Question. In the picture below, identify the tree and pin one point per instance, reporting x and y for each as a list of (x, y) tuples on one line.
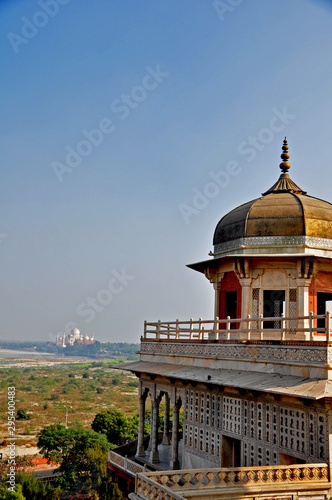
[(54, 441), (27, 487), (6, 494), (71, 448), (132, 428), (34, 489), (102, 483), (114, 424)]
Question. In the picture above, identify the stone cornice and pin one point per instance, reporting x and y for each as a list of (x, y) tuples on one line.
[(297, 242), (288, 354)]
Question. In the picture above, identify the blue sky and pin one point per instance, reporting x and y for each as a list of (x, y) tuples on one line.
[(151, 101)]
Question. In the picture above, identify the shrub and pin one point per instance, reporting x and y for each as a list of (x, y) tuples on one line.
[(73, 381), (133, 383), (22, 415), (116, 380)]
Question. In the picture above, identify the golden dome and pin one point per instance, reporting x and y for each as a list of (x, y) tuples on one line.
[(277, 214), (284, 216)]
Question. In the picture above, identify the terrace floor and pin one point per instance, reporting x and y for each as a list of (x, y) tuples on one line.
[(165, 455)]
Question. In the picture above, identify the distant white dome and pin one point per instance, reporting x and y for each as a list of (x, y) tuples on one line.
[(86, 337), (75, 332)]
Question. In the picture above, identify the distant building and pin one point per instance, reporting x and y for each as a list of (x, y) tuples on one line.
[(74, 336)]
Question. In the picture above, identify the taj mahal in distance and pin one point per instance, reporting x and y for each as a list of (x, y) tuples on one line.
[(74, 336)]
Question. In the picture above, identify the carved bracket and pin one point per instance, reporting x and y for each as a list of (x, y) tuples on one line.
[(214, 276), (241, 267), (306, 267)]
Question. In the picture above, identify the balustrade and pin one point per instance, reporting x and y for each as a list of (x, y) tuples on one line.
[(169, 485), (250, 328), (124, 463)]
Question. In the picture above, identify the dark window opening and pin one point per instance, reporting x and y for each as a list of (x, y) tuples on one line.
[(231, 306), (289, 460), (230, 452), (274, 306), (323, 306)]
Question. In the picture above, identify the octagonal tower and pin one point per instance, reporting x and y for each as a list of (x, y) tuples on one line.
[(273, 255)]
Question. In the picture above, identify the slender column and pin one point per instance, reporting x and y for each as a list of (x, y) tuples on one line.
[(175, 464), (151, 427), (217, 287), (140, 439), (245, 300), (154, 454), (166, 421), (329, 451), (303, 305)]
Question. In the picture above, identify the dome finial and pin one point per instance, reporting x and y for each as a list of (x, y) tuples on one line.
[(285, 165)]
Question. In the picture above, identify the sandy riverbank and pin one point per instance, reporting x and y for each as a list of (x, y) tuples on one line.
[(30, 362)]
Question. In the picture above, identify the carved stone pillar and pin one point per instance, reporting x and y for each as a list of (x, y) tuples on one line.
[(151, 427), (215, 278), (245, 300), (154, 454), (217, 287), (175, 464), (303, 305), (245, 297), (140, 439), (329, 451), (166, 439)]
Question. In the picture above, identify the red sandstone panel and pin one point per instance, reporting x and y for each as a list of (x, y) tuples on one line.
[(323, 282), (230, 284)]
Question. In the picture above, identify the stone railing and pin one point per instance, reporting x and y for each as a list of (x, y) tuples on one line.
[(163, 485), (147, 488), (124, 463), (302, 328)]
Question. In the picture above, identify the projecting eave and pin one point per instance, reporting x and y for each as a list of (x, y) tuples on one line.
[(289, 385), (214, 263), (206, 264)]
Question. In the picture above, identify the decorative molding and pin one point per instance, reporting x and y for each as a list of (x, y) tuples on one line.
[(272, 241), (307, 354)]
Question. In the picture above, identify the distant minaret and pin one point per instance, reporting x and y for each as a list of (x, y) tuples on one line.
[(64, 340)]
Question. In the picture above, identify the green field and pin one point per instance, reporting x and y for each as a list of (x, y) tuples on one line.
[(42, 392)]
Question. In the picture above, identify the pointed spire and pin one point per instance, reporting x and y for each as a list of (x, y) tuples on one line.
[(285, 184), (285, 165)]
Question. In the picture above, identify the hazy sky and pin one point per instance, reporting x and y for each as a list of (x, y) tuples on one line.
[(128, 130)]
